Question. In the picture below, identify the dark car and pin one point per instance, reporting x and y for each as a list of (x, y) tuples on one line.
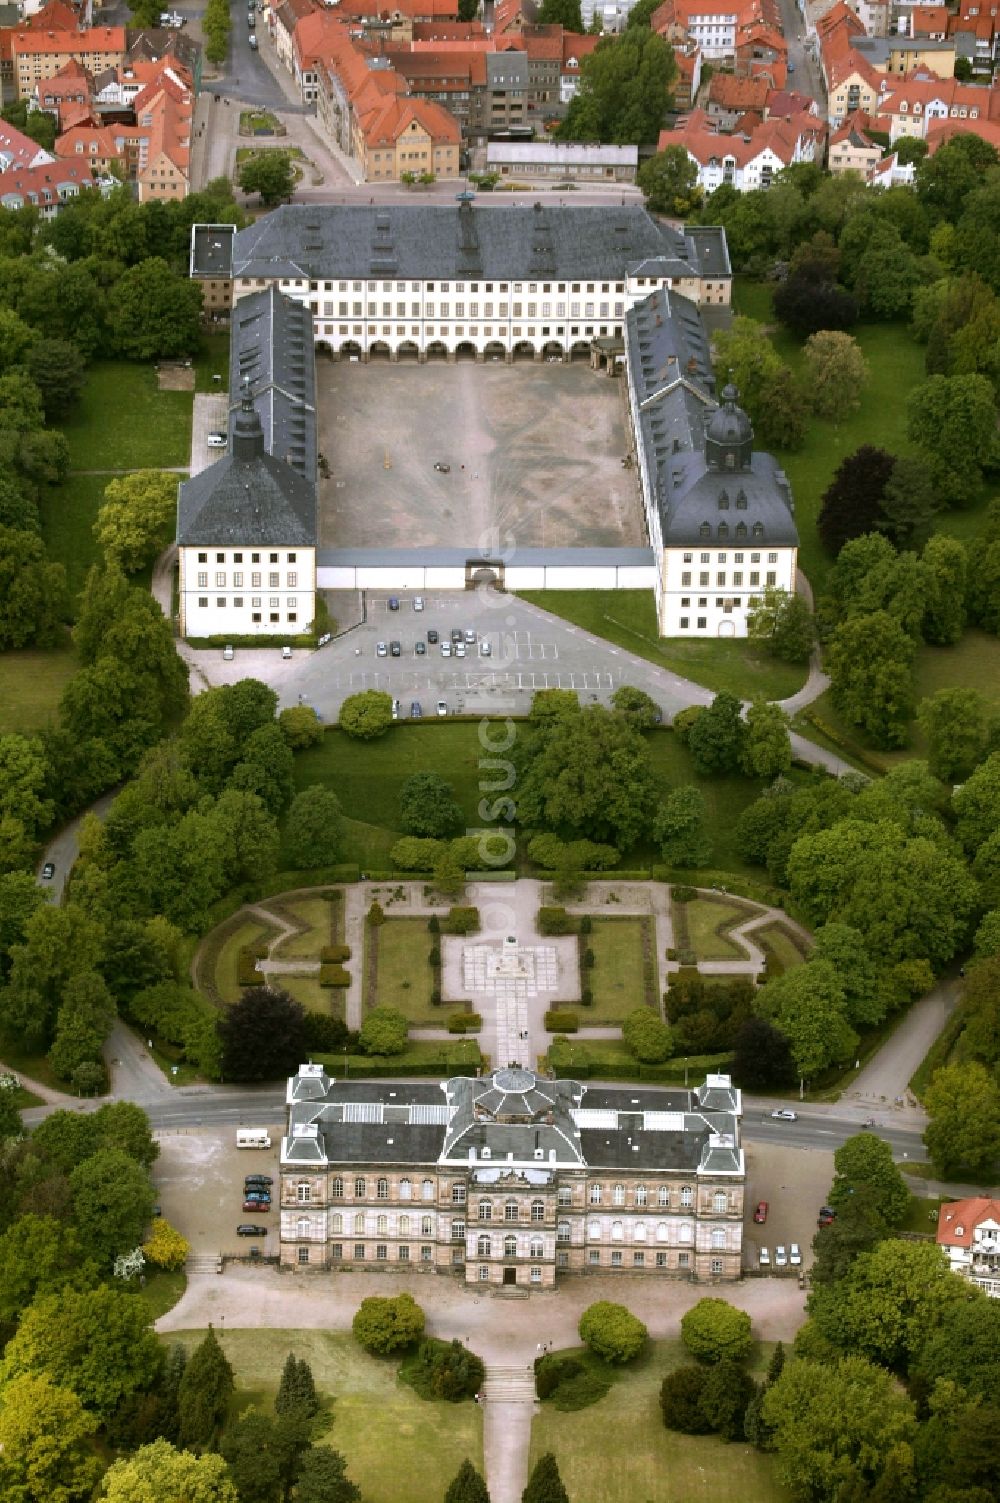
[(48, 871), (416, 710), (442, 469), (259, 1207), (393, 603), (394, 649), (456, 634), (432, 636), (251, 1229), (420, 649), (826, 1215), (259, 1197), (257, 1179)]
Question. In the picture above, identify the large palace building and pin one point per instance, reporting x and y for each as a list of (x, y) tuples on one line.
[(512, 1179)]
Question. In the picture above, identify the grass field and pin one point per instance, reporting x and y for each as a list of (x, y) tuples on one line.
[(776, 940), (68, 514), (616, 979), (212, 360), (315, 913), (618, 1448), (31, 685), (404, 976), (628, 618), (704, 922), (162, 1290), (124, 422), (395, 1444), (327, 1000)]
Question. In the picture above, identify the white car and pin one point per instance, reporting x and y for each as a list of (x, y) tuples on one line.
[(446, 649), (395, 709), (780, 1257), (418, 602), (442, 707), (485, 649), (794, 1255), (765, 1258), (381, 650), (218, 440), (784, 1115), (460, 649)]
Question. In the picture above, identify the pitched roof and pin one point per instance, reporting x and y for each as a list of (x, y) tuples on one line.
[(925, 19), (732, 93), (18, 150), (46, 184), (854, 131), (958, 1219), (55, 16), (395, 116), (941, 131), (271, 352), (85, 142), (778, 134), (247, 497), (94, 39)]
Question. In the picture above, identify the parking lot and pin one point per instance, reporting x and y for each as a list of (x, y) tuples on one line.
[(199, 1184), (795, 1183), (533, 454)]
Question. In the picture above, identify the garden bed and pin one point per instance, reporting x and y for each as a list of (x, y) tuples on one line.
[(702, 926), (619, 978)]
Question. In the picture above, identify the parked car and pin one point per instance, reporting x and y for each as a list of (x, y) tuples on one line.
[(780, 1257), (784, 1115), (286, 653), (442, 707), (262, 1197), (765, 1258), (456, 634), (253, 44), (446, 649), (258, 1206), (394, 602), (485, 649), (395, 709), (228, 654), (395, 649), (251, 1229), (421, 649), (760, 1214), (442, 469), (263, 1180), (826, 1215), (416, 710), (381, 650), (432, 635), (48, 871), (470, 635), (217, 440), (794, 1255), (460, 649), (418, 602)]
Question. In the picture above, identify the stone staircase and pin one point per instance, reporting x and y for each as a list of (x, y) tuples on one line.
[(509, 1384), (203, 1263)]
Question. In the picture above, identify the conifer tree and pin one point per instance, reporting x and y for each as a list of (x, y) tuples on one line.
[(467, 1486), (204, 1393), (545, 1484)]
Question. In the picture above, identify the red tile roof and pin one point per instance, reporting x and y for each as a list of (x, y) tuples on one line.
[(41, 184), (732, 93), (958, 1220), (95, 39)]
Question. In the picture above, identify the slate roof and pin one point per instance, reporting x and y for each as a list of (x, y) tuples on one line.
[(271, 347), (247, 498), (416, 241), (674, 402)]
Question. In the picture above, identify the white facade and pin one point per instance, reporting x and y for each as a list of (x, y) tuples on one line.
[(427, 577), (715, 33), (707, 592), (246, 592)]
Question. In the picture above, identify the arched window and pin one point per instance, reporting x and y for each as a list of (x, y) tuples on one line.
[(405, 1190), (663, 1195), (337, 1188), (510, 1247), (485, 1211), (337, 1224), (381, 1225), (510, 1210), (639, 1235), (758, 529), (594, 1231), (426, 1226), (718, 1239), (661, 1231), (640, 1195), (359, 1225), (705, 530), (382, 1189), (686, 1232), (723, 529), (687, 1195), (404, 1226), (483, 1247), (303, 1193), (562, 1231), (617, 1231), (720, 1201), (618, 1195), (303, 1227), (537, 1247), (427, 1189), (538, 1210), (359, 1189), (741, 499), (741, 531), (595, 1195), (723, 500)]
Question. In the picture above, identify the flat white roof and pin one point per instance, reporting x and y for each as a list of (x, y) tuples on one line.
[(569, 153)]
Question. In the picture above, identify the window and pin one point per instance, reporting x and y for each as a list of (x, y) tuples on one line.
[(458, 1193), (661, 1260), (718, 1238), (381, 1252), (716, 1265), (337, 1188), (663, 1195), (562, 1231), (203, 581), (683, 1260), (303, 1193), (616, 1258), (359, 1225), (427, 1189), (510, 1246), (203, 602), (617, 1231), (381, 1226), (638, 1260), (565, 1195), (687, 1196), (536, 1275), (336, 1223), (293, 580), (594, 1255), (595, 1195), (359, 1251), (618, 1195), (203, 558), (485, 1210), (639, 1234), (337, 1251), (482, 1247), (273, 580), (427, 1229), (720, 1201), (701, 623), (303, 1255), (562, 1260), (359, 1189), (661, 1231), (405, 1190), (404, 1254), (484, 1273), (537, 1249), (684, 623), (426, 1254), (538, 1210), (594, 1230), (382, 1189), (686, 1233)]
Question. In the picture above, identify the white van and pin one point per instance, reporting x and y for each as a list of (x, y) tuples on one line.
[(252, 1137)]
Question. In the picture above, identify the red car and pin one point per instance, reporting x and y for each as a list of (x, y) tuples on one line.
[(257, 1206), (760, 1214)]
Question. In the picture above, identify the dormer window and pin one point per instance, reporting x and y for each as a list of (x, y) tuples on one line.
[(758, 529), (741, 530), (723, 529), (705, 530), (723, 500), (741, 500)]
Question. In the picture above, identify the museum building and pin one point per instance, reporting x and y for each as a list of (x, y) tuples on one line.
[(512, 1179)]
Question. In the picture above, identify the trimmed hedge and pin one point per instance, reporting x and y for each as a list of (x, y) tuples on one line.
[(334, 975), (332, 953), (560, 1021), (556, 921), (247, 973), (465, 1022), (452, 1059), (460, 921), (585, 1061)]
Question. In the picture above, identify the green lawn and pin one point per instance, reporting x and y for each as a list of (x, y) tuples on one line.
[(628, 618), (31, 685), (124, 422), (725, 799), (68, 514), (316, 914), (212, 360), (404, 979), (616, 979), (328, 1000), (162, 1290), (421, 1057), (618, 1448), (775, 939), (922, 1213), (34, 1066), (700, 926), (247, 933), (396, 1445)]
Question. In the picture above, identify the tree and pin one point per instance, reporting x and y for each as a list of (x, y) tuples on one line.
[(154, 313), (865, 1163), (263, 1035), (680, 1400), (625, 90), (646, 1036), (837, 372), (545, 1484), (909, 503), (637, 706), (834, 1424), (870, 662), (165, 1247), (297, 1389), (976, 804), (587, 774), (323, 1474), (963, 1349), (806, 306), (955, 726), (384, 1031), (963, 1103), (564, 13), (137, 519), (746, 356), (266, 768), (887, 273), (314, 829), (467, 1486), (670, 182), (367, 715), (783, 624), (204, 1393), (427, 806), (269, 174), (808, 1005), (726, 1394), (951, 419), (713, 1329), (112, 1200), (767, 750), (58, 371), (96, 1342), (301, 727), (845, 948), (32, 592), (249, 1446), (159, 1472), (852, 502), (715, 740), (679, 827), (886, 1303), (384, 1324), (950, 176), (761, 1056), (46, 1455), (859, 1227), (612, 1331)]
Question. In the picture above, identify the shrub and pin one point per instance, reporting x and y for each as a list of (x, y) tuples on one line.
[(443, 1370), (334, 975), (586, 996), (465, 1022), (552, 1369), (376, 914), (587, 960), (586, 1388), (461, 920), (561, 1021), (680, 1401), (684, 894), (688, 957), (436, 997), (324, 1033), (166, 1248), (555, 921), (382, 1325), (434, 955), (384, 1031), (646, 1036), (586, 924), (612, 1331), (331, 953), (247, 973), (713, 1329), (434, 924)]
